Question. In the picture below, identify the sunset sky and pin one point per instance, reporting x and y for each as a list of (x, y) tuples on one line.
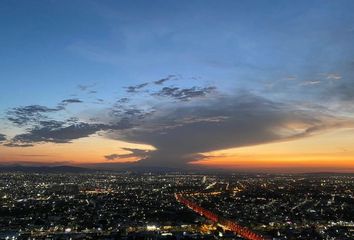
[(241, 85)]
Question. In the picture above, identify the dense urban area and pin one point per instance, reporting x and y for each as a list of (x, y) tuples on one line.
[(131, 205)]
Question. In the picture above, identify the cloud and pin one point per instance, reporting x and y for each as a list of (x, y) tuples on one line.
[(123, 100), (68, 101), (85, 87), (12, 144), (163, 80), (131, 113), (71, 100), (112, 156), (184, 94), (99, 101), (291, 78), (63, 131), (2, 137), (340, 88), (181, 132), (136, 88), (334, 76), (33, 114), (29, 114), (310, 83), (36, 163), (58, 132), (139, 153), (33, 155)]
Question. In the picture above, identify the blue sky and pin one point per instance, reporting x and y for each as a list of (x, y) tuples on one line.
[(52, 46), (283, 51)]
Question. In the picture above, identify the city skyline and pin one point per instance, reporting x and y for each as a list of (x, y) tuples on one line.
[(262, 86)]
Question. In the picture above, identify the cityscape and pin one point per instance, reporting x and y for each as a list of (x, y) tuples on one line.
[(130, 205), (176, 120)]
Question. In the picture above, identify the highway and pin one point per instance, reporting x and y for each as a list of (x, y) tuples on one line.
[(229, 224)]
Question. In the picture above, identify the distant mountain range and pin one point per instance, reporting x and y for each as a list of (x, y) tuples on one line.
[(89, 169), (45, 169), (328, 173), (134, 169)]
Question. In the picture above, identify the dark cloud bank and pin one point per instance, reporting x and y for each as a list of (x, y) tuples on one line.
[(180, 133), (188, 122)]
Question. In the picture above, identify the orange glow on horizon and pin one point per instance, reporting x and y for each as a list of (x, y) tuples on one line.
[(89, 150), (333, 150)]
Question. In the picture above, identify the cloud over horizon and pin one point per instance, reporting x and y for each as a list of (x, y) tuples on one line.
[(181, 123), (134, 153), (181, 133)]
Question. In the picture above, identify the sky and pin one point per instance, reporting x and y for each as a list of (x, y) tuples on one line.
[(241, 85)]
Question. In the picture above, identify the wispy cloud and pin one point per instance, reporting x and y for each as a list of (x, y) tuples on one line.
[(33, 155), (136, 88), (136, 153), (22, 145), (71, 100), (333, 76), (30, 114), (184, 94), (163, 80), (123, 100), (86, 87), (309, 83)]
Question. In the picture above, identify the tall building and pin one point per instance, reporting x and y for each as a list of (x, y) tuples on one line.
[(204, 179)]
